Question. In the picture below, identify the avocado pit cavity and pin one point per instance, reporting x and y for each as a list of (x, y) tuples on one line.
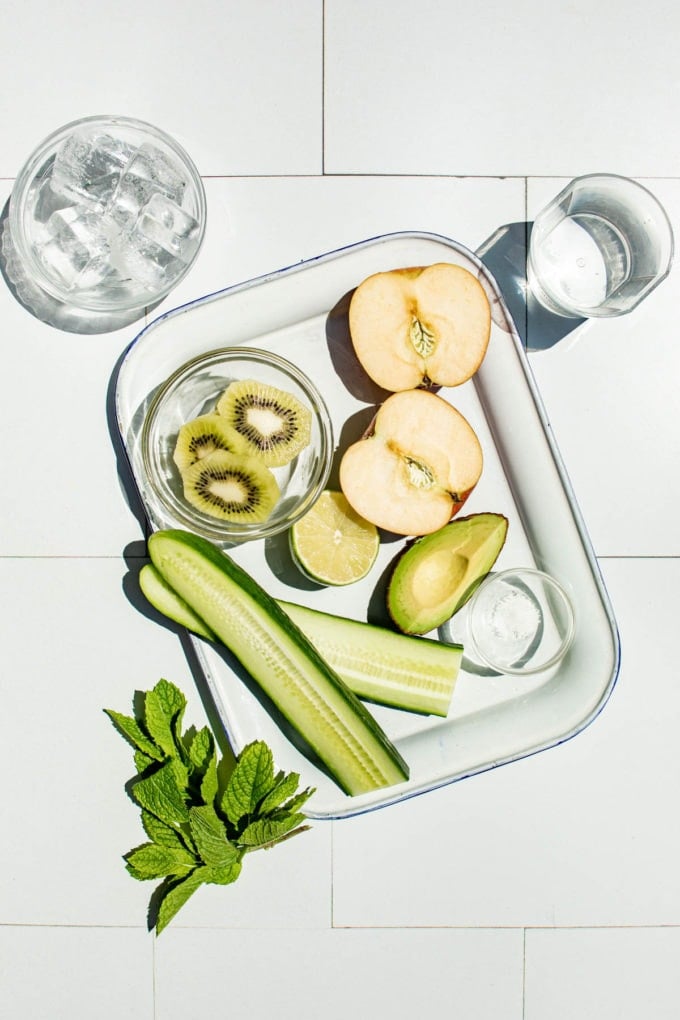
[(437, 573)]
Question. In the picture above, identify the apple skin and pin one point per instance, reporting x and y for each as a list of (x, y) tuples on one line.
[(415, 467), (420, 326)]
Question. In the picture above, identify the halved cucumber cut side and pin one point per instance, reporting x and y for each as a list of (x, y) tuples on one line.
[(281, 660), (410, 673), (414, 674)]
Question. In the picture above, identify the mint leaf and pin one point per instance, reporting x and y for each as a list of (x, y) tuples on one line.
[(201, 749), (284, 787), (224, 875), (176, 894), (171, 698), (209, 783), (159, 723), (266, 831), (160, 794), (134, 734), (203, 763), (160, 833), (143, 761), (210, 837), (174, 704), (295, 803), (153, 861), (251, 780), (181, 773)]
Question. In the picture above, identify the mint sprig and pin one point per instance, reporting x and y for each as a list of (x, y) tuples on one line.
[(199, 824)]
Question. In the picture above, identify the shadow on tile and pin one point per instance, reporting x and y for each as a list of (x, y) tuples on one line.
[(505, 256), (47, 309)]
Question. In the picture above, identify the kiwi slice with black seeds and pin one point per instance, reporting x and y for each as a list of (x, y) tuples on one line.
[(231, 487), (275, 424), (203, 436)]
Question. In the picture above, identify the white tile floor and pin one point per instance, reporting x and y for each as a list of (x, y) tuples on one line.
[(544, 890)]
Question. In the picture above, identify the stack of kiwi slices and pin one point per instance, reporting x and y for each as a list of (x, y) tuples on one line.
[(225, 457)]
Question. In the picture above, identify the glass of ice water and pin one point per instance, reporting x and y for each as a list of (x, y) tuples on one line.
[(519, 622), (598, 248), (107, 215)]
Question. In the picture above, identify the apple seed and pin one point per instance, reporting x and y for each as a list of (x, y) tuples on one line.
[(419, 474)]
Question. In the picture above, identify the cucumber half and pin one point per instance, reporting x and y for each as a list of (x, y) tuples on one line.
[(281, 660), (411, 673)]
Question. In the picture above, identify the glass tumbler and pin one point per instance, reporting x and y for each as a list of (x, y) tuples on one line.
[(598, 248), (106, 216)]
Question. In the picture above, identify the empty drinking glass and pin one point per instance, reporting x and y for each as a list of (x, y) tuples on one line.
[(598, 248)]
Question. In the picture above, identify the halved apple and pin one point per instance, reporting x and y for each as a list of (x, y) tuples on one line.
[(420, 326), (415, 466)]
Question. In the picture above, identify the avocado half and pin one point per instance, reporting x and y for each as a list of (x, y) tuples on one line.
[(436, 575)]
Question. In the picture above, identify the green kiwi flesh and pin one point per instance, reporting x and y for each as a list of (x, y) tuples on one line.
[(231, 487), (202, 436), (274, 423)]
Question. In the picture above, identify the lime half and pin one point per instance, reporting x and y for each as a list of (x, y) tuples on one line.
[(332, 544)]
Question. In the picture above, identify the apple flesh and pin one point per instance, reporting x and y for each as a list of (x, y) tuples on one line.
[(420, 326), (415, 466)]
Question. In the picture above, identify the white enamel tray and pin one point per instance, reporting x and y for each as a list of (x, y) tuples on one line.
[(301, 313)]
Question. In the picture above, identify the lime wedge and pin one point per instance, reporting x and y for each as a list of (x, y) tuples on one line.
[(332, 544)]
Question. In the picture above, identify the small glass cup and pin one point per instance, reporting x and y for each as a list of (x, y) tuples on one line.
[(519, 622), (106, 216), (598, 248)]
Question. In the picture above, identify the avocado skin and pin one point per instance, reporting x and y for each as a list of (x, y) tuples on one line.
[(436, 574)]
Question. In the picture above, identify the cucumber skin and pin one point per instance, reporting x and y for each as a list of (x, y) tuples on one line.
[(166, 600), (235, 575)]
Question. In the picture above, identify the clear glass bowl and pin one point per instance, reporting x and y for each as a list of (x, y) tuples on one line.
[(107, 215), (194, 390), (519, 621)]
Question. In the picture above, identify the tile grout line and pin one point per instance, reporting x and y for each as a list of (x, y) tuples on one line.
[(524, 973)]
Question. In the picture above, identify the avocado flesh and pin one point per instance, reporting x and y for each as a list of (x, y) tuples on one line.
[(438, 573)]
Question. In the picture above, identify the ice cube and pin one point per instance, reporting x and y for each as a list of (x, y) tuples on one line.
[(76, 253), (46, 200), (148, 263), (128, 200), (149, 172), (166, 224), (152, 165), (87, 168)]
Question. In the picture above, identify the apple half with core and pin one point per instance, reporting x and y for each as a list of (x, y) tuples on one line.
[(420, 327), (415, 466)]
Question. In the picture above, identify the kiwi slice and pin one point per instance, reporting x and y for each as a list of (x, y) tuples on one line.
[(231, 487), (203, 436), (274, 423)]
